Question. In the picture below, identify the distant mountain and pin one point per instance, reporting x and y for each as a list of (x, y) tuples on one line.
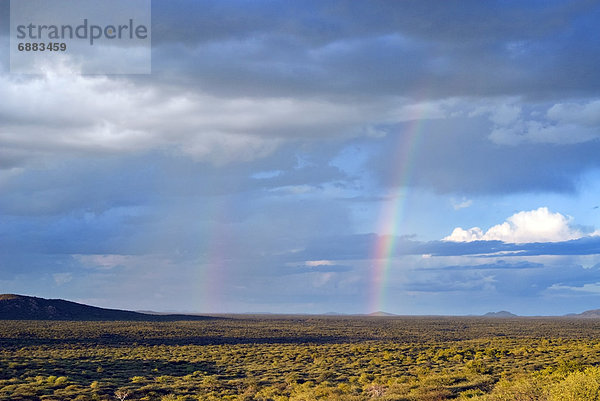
[(381, 313), (21, 307), (501, 313), (590, 314)]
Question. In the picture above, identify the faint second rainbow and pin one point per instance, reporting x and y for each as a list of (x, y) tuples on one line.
[(212, 265)]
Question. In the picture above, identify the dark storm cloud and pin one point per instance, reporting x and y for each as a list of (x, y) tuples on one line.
[(325, 21), (408, 48), (581, 246), (497, 265), (362, 246)]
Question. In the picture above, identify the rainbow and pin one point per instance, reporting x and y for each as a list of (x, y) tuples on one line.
[(392, 213), (213, 264)]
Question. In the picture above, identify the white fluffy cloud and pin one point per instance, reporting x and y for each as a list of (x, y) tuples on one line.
[(538, 225)]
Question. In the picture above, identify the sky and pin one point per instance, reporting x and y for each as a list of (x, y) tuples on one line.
[(309, 156)]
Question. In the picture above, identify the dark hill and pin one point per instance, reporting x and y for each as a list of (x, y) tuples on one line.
[(20, 307)]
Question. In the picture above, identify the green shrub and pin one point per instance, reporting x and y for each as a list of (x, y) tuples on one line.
[(578, 386), (522, 389)]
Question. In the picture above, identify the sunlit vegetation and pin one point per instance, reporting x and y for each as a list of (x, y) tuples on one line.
[(302, 358)]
